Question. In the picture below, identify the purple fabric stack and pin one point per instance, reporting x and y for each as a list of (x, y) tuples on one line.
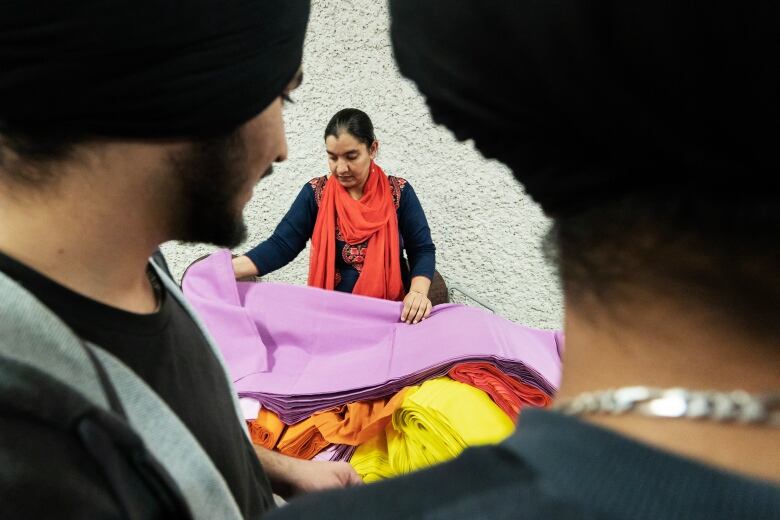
[(299, 350), (336, 452)]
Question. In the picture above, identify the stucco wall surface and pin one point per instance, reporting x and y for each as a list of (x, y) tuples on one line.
[(487, 231)]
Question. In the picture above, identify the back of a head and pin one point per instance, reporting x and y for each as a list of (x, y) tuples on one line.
[(646, 130)]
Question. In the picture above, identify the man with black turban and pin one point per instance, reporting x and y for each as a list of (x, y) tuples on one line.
[(648, 131), (123, 125)]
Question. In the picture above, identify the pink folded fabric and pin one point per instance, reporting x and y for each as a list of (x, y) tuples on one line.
[(299, 349)]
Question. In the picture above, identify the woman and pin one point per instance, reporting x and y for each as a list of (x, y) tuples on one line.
[(359, 221)]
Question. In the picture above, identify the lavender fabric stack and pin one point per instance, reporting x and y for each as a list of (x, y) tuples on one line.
[(336, 452), (299, 349)]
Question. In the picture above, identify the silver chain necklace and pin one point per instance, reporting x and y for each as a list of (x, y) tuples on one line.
[(737, 406)]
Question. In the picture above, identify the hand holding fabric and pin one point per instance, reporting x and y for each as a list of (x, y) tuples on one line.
[(291, 476), (316, 475), (417, 307)]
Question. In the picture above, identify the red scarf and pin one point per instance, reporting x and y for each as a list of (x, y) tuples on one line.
[(371, 218)]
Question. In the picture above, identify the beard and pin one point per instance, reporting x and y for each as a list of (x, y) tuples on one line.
[(209, 178)]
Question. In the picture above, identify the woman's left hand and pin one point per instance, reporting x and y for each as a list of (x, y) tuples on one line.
[(417, 307)]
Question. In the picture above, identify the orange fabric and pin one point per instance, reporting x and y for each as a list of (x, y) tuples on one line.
[(507, 392), (356, 423), (353, 424), (302, 440), (373, 218), (266, 429)]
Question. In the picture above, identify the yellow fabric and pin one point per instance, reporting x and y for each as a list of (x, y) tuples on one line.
[(370, 460), (438, 420)]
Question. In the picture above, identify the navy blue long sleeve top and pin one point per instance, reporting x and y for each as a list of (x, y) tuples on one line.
[(297, 226)]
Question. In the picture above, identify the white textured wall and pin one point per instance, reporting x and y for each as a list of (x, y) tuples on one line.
[(487, 232)]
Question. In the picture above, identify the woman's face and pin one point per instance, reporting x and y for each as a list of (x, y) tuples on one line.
[(349, 159)]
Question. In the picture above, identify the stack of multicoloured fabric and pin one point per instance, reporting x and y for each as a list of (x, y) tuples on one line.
[(336, 374)]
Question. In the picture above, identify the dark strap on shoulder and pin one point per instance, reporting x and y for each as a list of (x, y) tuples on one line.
[(141, 486), (105, 383), (159, 259)]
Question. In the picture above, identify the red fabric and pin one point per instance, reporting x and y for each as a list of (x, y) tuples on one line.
[(507, 392), (372, 218)]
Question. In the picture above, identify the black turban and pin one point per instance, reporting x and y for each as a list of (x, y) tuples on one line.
[(589, 100), (145, 68)]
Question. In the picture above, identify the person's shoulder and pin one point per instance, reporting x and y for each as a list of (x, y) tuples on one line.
[(162, 263), (397, 186), (484, 482), (315, 187), (398, 182), (45, 469), (316, 182)]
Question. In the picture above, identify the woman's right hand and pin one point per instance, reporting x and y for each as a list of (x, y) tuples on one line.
[(244, 267)]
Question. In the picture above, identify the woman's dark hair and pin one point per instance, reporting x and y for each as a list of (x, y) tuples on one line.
[(353, 121)]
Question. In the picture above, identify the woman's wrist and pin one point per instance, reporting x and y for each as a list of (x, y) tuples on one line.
[(420, 285), (244, 266)]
